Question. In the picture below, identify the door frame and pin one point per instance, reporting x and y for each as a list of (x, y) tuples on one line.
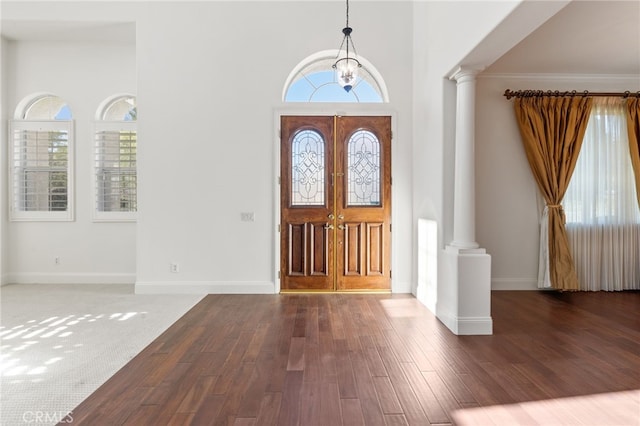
[(328, 109)]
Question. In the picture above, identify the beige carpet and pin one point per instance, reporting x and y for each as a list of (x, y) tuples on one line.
[(59, 343)]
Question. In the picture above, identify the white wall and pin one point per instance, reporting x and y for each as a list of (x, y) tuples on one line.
[(449, 35), (209, 77), (439, 47), (508, 206), (83, 74), (210, 81)]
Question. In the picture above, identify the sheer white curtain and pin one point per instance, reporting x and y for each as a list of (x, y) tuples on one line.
[(602, 214)]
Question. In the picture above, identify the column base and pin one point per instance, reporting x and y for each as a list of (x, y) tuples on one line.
[(464, 298)]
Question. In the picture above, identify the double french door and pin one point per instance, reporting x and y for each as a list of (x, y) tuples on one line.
[(335, 224)]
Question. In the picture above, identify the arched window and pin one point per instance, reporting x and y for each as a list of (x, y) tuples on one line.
[(314, 80), (115, 160), (120, 108), (41, 159), (45, 107)]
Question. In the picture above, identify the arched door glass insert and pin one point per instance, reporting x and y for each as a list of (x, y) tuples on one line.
[(314, 80), (363, 167), (307, 169)]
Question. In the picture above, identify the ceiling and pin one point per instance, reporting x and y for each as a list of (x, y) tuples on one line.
[(585, 37)]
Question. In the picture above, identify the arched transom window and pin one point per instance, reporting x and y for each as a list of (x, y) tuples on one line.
[(314, 80)]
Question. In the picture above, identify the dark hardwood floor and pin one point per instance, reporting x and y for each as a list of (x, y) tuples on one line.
[(332, 359)]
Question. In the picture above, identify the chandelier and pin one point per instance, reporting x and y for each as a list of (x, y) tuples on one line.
[(347, 63)]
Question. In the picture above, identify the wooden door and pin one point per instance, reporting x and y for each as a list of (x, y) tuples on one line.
[(335, 225), (363, 203)]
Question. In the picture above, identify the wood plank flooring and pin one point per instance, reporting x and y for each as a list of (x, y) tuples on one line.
[(352, 359)]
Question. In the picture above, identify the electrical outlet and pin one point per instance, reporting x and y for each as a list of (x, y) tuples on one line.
[(56, 260), (174, 268)]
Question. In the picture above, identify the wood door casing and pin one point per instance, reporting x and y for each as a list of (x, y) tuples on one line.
[(336, 244)]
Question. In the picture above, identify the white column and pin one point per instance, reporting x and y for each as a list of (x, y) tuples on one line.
[(464, 294), (464, 210)]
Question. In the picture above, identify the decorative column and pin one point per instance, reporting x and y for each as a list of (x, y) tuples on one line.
[(464, 293), (464, 210)]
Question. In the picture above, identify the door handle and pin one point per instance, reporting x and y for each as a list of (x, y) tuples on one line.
[(340, 216), (342, 227), (328, 226), (331, 216)]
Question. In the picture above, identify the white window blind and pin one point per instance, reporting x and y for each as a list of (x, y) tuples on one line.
[(115, 165), (40, 170)]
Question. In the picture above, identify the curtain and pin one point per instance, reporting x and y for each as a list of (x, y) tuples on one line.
[(552, 129), (602, 215), (633, 126)]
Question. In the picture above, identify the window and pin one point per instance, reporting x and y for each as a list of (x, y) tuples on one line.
[(115, 162), (41, 160), (601, 208), (314, 80)]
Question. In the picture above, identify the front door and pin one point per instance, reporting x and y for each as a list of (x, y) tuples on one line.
[(335, 225)]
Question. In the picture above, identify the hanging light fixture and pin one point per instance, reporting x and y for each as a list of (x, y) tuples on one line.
[(347, 63)]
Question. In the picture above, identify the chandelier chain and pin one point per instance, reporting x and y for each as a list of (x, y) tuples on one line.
[(347, 13)]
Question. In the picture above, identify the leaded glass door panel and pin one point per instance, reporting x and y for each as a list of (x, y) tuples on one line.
[(307, 203), (363, 203), (335, 230)]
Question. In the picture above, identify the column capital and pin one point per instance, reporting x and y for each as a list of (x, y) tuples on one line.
[(464, 73)]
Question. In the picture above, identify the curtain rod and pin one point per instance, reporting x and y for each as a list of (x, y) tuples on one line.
[(537, 93)]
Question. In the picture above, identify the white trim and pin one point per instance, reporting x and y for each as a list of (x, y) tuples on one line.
[(331, 109), (69, 278), (587, 78), (474, 326), (524, 284), (466, 326), (204, 287)]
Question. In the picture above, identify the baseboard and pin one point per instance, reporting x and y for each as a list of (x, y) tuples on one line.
[(204, 287), (514, 284), (466, 326), (69, 278), (475, 326)]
